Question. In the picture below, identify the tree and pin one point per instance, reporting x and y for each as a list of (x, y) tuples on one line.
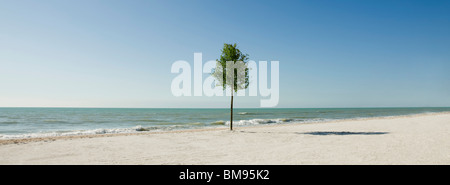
[(232, 71)]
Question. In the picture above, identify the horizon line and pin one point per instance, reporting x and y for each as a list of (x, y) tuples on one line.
[(236, 107)]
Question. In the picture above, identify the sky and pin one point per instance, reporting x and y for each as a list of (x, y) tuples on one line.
[(110, 53)]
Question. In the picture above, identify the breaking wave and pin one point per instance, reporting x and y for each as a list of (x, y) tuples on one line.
[(79, 132), (272, 121), (158, 127)]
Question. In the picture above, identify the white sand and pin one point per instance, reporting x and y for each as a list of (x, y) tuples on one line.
[(418, 139)]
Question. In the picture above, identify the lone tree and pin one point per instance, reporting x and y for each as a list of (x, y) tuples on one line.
[(232, 71)]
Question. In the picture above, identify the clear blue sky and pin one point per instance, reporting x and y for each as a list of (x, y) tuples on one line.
[(91, 53)]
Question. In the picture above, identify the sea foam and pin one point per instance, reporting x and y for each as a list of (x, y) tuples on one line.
[(135, 129)]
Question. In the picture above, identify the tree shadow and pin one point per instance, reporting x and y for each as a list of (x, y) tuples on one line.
[(323, 133)]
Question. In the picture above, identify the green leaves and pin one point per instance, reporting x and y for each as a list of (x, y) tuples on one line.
[(231, 69)]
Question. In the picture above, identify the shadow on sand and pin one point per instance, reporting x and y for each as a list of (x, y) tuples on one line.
[(344, 133), (326, 133)]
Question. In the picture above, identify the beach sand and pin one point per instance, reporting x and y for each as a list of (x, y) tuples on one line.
[(416, 139)]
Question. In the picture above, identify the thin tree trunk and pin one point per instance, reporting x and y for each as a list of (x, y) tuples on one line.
[(231, 119)]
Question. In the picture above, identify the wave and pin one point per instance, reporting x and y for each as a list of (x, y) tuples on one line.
[(220, 122), (166, 123), (135, 129), (275, 121), (305, 117), (146, 120), (253, 113), (54, 121), (9, 122), (158, 127), (259, 121), (195, 124)]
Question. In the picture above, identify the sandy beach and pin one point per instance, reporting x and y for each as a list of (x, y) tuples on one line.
[(415, 139)]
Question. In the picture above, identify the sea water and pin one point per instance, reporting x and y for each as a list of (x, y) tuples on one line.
[(41, 122)]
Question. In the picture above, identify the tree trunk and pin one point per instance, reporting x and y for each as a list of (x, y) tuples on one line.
[(231, 119)]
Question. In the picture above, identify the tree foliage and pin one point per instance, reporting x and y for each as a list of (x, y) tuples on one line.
[(232, 58)]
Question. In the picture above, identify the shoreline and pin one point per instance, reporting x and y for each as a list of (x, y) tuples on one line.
[(53, 138), (70, 137), (407, 139)]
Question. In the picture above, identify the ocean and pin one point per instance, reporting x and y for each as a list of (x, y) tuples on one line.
[(41, 122)]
